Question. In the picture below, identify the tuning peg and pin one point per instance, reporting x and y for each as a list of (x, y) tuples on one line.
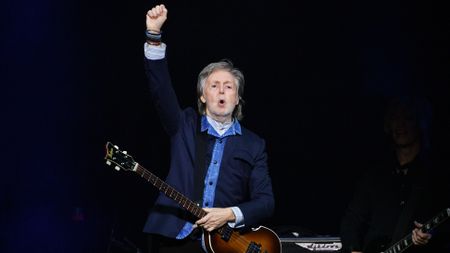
[(108, 162), (117, 168), (125, 152), (116, 146)]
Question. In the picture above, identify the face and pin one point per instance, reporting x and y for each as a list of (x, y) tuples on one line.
[(404, 128), (220, 95)]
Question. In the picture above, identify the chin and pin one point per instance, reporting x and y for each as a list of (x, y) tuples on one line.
[(223, 114)]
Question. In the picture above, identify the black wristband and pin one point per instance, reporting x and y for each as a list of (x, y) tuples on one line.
[(151, 36)]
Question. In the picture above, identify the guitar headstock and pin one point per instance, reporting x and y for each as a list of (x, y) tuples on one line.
[(120, 159)]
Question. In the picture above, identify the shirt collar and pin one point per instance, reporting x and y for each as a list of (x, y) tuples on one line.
[(214, 127)]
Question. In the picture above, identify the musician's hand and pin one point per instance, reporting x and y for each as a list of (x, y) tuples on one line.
[(419, 237), (156, 17), (215, 218)]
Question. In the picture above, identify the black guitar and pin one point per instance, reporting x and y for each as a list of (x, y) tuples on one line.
[(406, 242), (222, 240)]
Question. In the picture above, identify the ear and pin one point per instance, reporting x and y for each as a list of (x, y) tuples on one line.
[(202, 98)]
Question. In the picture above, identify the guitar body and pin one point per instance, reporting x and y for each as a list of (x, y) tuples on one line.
[(227, 240)]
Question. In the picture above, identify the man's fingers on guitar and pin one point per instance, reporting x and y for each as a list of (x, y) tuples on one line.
[(209, 228), (419, 225), (418, 240)]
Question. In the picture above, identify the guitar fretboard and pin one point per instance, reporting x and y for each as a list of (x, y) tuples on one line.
[(170, 192), (406, 241)]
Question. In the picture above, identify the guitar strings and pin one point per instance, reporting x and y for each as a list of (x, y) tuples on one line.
[(174, 194)]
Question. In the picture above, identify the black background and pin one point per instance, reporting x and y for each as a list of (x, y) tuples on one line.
[(317, 73)]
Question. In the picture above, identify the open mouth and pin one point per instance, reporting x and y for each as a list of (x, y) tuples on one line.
[(221, 102)]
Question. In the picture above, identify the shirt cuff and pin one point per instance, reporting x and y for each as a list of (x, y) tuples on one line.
[(239, 222), (153, 52)]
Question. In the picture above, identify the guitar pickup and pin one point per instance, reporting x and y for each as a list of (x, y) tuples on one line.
[(226, 233)]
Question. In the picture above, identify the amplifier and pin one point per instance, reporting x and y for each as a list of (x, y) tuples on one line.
[(311, 244)]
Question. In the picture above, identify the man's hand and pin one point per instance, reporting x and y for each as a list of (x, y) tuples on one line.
[(155, 18), (215, 218), (419, 237)]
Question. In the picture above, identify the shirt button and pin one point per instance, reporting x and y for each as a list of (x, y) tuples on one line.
[(210, 183), (206, 204), (215, 162), (220, 141)]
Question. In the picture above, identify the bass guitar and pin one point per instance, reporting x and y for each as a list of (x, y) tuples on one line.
[(222, 240)]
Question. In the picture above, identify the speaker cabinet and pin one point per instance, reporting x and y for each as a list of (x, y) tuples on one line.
[(311, 244)]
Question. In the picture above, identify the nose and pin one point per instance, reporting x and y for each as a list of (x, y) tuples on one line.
[(221, 88)]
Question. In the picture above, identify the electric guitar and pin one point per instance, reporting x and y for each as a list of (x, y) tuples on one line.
[(222, 240), (406, 242)]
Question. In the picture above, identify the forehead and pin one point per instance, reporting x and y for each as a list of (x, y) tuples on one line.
[(220, 75)]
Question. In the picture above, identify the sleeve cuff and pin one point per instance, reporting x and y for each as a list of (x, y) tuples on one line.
[(239, 222), (152, 52)]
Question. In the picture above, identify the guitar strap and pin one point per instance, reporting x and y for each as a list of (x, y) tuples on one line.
[(201, 143)]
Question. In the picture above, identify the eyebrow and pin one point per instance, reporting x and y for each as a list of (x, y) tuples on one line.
[(226, 82)]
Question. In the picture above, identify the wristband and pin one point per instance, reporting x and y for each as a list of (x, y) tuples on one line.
[(154, 37)]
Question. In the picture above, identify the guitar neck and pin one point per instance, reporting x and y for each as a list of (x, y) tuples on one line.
[(406, 241), (170, 192)]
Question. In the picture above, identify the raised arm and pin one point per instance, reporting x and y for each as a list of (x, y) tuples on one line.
[(160, 84)]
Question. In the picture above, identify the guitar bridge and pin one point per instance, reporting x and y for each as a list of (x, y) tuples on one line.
[(253, 248)]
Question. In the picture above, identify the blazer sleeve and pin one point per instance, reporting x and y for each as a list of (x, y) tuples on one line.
[(261, 204), (163, 94)]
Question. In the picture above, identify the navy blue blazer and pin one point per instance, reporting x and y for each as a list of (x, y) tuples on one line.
[(244, 179)]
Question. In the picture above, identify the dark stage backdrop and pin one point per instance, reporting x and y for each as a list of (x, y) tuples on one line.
[(317, 72)]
